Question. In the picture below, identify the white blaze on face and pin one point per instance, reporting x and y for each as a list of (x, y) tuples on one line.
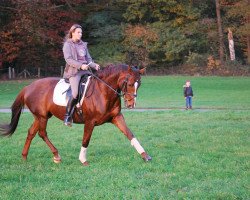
[(135, 93)]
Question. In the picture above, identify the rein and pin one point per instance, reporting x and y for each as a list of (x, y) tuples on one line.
[(123, 85)]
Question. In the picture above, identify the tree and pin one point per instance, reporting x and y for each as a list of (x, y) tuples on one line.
[(239, 13), (138, 42), (174, 22), (34, 35), (220, 33), (103, 31), (148, 32)]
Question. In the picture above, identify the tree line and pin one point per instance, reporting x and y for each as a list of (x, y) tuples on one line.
[(172, 36)]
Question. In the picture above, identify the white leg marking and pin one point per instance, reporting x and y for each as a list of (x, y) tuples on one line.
[(83, 155), (137, 146)]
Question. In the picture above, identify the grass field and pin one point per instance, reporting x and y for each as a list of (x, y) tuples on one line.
[(198, 154), (167, 92)]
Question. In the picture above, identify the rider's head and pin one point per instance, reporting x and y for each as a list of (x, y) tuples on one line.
[(74, 33)]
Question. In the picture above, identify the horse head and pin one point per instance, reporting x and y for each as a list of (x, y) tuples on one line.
[(129, 82)]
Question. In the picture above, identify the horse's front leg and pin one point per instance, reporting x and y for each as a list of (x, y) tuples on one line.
[(121, 124), (88, 129)]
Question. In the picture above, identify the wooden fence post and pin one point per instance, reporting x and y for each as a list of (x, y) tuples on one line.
[(61, 71), (13, 73), (39, 72)]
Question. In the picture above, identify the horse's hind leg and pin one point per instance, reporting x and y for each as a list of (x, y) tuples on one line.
[(43, 135), (31, 134)]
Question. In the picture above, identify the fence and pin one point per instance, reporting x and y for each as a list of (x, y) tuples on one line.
[(31, 72)]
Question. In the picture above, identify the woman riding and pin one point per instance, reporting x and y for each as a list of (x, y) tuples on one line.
[(78, 60)]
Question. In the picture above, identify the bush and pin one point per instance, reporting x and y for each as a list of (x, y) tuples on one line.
[(196, 59), (236, 68)]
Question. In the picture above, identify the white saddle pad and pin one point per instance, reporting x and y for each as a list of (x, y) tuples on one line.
[(59, 96)]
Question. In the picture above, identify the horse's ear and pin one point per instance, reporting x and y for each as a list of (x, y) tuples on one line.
[(143, 70), (130, 70)]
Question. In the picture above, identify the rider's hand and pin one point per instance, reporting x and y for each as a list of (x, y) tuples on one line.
[(97, 67), (84, 67)]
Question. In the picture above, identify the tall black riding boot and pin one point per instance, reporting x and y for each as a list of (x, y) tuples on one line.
[(69, 111)]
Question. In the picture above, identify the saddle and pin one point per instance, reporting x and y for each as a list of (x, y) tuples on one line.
[(81, 87), (62, 91)]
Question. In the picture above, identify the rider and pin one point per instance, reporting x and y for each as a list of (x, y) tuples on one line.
[(78, 60)]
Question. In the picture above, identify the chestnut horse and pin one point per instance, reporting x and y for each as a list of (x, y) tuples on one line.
[(102, 104)]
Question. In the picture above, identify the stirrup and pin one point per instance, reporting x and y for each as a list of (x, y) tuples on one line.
[(78, 111), (67, 121)]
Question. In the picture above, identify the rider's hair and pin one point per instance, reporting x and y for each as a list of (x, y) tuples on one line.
[(71, 30)]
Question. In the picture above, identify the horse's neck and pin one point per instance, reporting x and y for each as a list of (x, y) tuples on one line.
[(112, 81), (105, 89)]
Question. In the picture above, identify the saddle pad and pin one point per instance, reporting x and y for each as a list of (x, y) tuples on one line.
[(60, 97)]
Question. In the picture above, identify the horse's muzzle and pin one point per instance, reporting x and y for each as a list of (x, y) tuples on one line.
[(130, 107)]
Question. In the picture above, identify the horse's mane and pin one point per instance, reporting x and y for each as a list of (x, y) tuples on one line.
[(111, 70)]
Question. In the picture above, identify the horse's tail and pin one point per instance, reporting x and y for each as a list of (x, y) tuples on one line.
[(16, 109)]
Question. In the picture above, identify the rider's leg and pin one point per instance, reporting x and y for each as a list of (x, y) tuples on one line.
[(69, 111), (74, 83)]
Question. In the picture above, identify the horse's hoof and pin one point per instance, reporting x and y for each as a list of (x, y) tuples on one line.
[(86, 163), (57, 159), (67, 122), (24, 158), (146, 157)]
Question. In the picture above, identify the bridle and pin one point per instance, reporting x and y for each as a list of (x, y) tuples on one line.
[(123, 89)]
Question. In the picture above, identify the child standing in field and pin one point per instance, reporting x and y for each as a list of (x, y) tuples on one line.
[(188, 94)]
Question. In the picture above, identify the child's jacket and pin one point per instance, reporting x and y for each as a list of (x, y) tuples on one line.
[(188, 91)]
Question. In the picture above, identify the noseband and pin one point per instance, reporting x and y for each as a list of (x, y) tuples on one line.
[(124, 90)]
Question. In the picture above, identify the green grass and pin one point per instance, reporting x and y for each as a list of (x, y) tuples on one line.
[(167, 92), (198, 154), (9, 91), (209, 92)]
